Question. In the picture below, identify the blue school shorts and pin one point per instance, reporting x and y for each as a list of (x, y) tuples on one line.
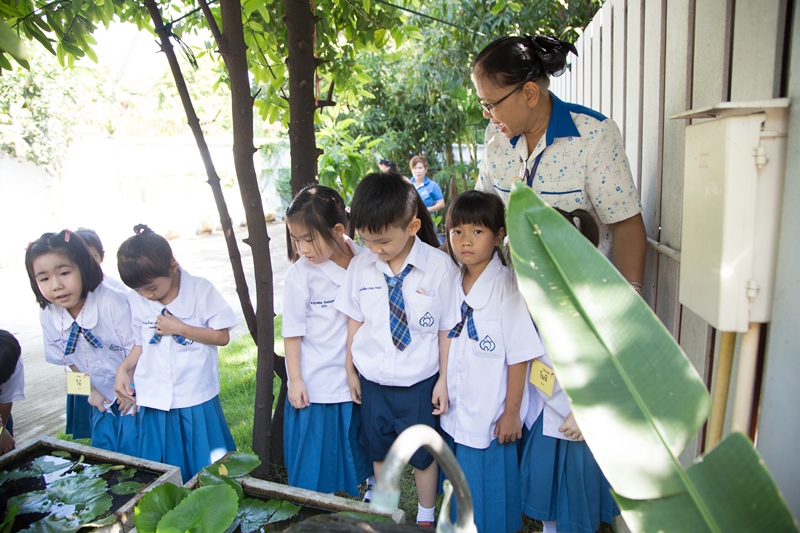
[(388, 411)]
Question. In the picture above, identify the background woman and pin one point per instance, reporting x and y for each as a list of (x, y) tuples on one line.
[(428, 190)]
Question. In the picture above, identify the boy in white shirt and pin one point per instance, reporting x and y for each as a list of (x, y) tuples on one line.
[(401, 304)]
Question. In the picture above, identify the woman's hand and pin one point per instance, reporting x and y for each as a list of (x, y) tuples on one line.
[(298, 394), (570, 429), (508, 428), (440, 399)]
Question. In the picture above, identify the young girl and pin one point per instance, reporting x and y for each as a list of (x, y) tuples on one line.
[(562, 485), (488, 363), (92, 240), (86, 327), (401, 306), (178, 321), (321, 422)]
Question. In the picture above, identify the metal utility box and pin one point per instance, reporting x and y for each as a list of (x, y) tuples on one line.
[(733, 178)]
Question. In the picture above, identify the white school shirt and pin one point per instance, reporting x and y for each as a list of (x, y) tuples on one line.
[(429, 297), (477, 371), (170, 375), (107, 315), (115, 284), (14, 389), (583, 166), (555, 407), (308, 312)]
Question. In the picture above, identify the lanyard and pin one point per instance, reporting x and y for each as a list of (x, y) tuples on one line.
[(528, 175)]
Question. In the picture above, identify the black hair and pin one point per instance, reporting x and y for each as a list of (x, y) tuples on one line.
[(10, 351), (92, 239), (478, 208), (585, 224), (516, 60), (388, 200), (389, 163), (71, 246), (144, 257), (318, 209)]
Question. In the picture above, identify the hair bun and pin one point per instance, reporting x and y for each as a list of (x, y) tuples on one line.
[(552, 54), (141, 228)]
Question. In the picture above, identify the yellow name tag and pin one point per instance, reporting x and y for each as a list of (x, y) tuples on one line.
[(79, 384), (542, 377)]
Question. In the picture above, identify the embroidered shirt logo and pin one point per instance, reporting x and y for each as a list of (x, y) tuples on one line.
[(426, 321), (487, 344), (115, 348)]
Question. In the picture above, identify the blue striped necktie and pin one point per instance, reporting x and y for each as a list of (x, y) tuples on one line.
[(466, 316), (398, 323), (176, 338), (74, 333)]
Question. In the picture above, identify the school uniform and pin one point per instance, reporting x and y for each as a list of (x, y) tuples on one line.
[(320, 441), (397, 385), (501, 334), (106, 316), (177, 379), (115, 284), (561, 480), (13, 390)]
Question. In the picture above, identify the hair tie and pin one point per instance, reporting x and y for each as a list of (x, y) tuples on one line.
[(552, 55), (29, 245), (67, 234)]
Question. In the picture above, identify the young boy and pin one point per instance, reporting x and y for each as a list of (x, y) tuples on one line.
[(12, 387), (401, 302)]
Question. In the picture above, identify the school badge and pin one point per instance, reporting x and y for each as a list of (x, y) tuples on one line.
[(426, 321), (487, 344)]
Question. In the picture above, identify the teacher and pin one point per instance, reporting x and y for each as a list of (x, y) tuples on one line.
[(572, 156)]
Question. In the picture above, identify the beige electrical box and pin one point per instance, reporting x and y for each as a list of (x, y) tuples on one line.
[(734, 166)]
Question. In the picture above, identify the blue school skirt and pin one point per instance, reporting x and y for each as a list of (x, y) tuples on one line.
[(561, 481), (493, 478), (79, 417), (114, 432), (189, 437), (321, 447)]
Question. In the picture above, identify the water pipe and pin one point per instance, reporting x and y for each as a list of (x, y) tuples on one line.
[(745, 379), (386, 494), (721, 388)]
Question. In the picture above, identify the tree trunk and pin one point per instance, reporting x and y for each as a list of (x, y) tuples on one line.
[(234, 52), (302, 64)]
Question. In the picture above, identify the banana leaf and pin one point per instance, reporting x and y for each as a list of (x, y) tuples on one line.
[(636, 397)]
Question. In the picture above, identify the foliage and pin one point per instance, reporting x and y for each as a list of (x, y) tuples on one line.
[(634, 394)]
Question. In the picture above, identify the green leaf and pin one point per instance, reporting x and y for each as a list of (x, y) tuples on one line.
[(127, 487), (155, 504), (367, 4), (31, 502), (285, 510), (62, 453), (208, 477), (8, 520), (9, 42), (76, 489), (52, 524), (616, 372), (253, 514), (238, 463), (72, 49), (381, 37), (206, 510), (498, 7)]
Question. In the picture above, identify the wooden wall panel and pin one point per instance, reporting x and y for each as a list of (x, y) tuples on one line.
[(606, 59), (633, 88), (588, 75), (758, 42), (597, 60), (577, 83), (618, 84), (712, 44)]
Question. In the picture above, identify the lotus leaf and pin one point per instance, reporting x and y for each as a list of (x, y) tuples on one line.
[(8, 520), (206, 510), (238, 464), (127, 487), (40, 466), (208, 477), (156, 504)]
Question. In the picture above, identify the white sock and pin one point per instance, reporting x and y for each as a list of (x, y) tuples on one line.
[(549, 527), (424, 514), (371, 481)]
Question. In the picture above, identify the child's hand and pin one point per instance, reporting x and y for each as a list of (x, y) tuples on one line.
[(440, 400), (354, 383), (298, 394), (96, 400), (126, 406), (167, 324), (6, 442), (508, 428), (122, 386), (570, 429)]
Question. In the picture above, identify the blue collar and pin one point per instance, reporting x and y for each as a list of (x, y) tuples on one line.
[(561, 123)]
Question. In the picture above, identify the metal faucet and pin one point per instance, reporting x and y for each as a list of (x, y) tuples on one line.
[(386, 494)]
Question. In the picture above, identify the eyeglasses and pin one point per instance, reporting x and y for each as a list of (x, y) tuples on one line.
[(488, 107)]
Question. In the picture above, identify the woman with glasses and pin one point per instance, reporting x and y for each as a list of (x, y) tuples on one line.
[(572, 156)]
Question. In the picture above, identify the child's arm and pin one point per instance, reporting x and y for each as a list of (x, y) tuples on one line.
[(509, 426), (168, 324), (298, 392), (122, 382), (6, 440), (353, 380), (570, 428), (440, 400)]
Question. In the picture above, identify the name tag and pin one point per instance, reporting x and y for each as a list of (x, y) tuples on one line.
[(542, 377), (78, 383)]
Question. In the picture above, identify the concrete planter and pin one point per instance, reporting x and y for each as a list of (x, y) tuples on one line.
[(257, 488), (47, 445)]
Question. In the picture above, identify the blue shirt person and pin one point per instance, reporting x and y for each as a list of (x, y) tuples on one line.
[(428, 190)]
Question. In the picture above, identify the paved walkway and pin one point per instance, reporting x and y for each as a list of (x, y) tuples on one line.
[(42, 412)]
